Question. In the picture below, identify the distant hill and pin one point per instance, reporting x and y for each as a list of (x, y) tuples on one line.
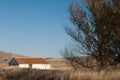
[(5, 57), (59, 63), (56, 63)]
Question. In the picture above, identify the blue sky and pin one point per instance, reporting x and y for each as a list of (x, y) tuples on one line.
[(34, 27)]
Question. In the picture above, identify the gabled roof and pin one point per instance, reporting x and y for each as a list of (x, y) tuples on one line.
[(30, 60)]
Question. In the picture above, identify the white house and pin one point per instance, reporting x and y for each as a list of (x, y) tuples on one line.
[(28, 62)]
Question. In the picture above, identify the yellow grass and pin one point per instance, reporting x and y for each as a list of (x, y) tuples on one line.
[(93, 75), (29, 74)]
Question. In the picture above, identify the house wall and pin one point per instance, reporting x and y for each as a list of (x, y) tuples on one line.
[(13, 62), (24, 65), (35, 66), (41, 66)]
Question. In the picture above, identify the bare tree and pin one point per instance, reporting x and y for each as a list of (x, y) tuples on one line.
[(96, 31)]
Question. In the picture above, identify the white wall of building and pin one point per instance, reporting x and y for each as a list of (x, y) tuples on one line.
[(41, 66), (23, 65), (35, 66)]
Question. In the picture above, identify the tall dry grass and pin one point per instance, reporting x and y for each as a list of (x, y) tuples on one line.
[(93, 75), (29, 74)]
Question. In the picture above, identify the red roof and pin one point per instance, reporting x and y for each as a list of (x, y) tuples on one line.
[(29, 60)]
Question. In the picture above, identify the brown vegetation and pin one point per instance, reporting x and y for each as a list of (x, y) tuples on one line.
[(59, 64), (60, 71), (29, 74), (95, 31)]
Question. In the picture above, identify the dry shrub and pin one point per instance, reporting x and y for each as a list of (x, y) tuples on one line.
[(29, 74), (2, 73), (93, 75), (33, 74)]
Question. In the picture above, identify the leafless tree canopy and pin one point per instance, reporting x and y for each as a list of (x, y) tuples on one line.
[(96, 31)]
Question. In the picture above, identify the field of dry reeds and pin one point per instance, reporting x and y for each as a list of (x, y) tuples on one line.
[(29, 74)]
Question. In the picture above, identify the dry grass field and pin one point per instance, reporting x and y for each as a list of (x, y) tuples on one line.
[(29, 74), (60, 71), (59, 64)]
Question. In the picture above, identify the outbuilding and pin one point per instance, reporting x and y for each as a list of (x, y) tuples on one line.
[(29, 62)]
